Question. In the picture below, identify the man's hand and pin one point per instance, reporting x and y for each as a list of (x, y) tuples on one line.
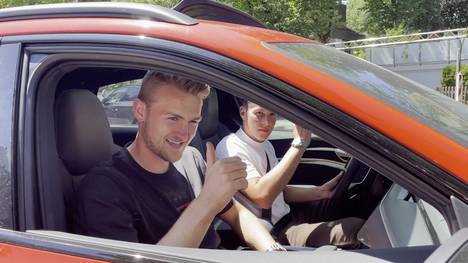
[(303, 134), (223, 179), (328, 189)]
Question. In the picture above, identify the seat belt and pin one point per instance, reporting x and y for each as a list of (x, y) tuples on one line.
[(266, 213)]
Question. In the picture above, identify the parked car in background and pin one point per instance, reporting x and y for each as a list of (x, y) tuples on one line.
[(408, 143), (118, 104)]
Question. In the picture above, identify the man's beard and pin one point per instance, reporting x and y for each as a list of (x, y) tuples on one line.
[(158, 151)]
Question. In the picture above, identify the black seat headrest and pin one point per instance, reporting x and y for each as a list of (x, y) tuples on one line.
[(83, 133), (210, 117)]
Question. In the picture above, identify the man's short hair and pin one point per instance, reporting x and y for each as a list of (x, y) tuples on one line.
[(152, 80), (243, 102)]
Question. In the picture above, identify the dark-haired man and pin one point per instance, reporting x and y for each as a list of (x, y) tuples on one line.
[(268, 190), (158, 190)]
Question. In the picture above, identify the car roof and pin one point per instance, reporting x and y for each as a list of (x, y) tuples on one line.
[(247, 45)]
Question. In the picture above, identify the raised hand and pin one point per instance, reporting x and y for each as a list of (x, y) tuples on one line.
[(303, 134), (222, 180)]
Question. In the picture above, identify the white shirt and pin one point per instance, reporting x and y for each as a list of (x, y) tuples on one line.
[(254, 155)]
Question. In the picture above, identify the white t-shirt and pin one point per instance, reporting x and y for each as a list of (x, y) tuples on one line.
[(254, 155)]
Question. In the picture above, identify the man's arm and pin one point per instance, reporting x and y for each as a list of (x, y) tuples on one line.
[(263, 190), (223, 179), (191, 227), (247, 226), (297, 193)]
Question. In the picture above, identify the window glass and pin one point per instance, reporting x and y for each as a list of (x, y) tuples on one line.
[(117, 100), (283, 129), (421, 103)]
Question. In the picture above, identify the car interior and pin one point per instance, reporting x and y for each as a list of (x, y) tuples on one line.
[(82, 136)]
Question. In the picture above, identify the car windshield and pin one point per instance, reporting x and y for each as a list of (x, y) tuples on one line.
[(421, 103)]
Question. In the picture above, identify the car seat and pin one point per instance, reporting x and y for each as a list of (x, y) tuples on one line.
[(83, 138), (210, 128)]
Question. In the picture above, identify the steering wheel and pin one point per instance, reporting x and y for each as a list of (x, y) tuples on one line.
[(329, 208)]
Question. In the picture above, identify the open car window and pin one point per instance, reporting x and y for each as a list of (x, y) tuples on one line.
[(117, 100), (425, 225)]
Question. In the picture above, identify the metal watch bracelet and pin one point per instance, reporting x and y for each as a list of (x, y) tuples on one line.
[(298, 143), (275, 247)]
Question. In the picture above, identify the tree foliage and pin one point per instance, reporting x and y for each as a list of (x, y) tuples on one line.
[(412, 15), (455, 13), (378, 17), (427, 18), (356, 15), (13, 3), (448, 75), (313, 18)]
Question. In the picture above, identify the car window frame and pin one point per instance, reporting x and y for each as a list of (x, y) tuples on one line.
[(268, 89), (10, 54)]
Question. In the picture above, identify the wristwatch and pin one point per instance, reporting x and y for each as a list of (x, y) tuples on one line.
[(275, 247), (298, 143)]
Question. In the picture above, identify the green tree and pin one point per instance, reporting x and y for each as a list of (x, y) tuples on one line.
[(411, 15), (314, 18), (356, 15), (428, 16), (454, 13), (13, 3)]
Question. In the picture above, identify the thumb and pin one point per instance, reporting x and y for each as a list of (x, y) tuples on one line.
[(210, 155)]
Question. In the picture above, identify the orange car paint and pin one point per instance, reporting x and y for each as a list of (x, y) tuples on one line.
[(11, 253)]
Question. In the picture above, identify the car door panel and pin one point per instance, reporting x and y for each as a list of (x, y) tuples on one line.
[(403, 220), (454, 250), (13, 253)]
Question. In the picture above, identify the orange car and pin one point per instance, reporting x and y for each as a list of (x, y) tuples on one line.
[(410, 141)]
